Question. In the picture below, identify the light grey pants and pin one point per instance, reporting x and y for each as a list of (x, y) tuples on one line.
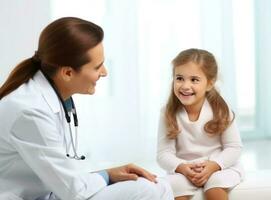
[(9, 196), (141, 189)]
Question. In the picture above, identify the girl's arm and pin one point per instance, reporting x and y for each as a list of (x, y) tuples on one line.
[(232, 147), (166, 150)]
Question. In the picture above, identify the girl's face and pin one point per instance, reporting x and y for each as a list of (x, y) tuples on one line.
[(190, 85), (84, 81)]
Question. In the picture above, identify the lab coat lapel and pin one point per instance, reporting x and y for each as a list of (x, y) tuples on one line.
[(51, 98), (47, 92)]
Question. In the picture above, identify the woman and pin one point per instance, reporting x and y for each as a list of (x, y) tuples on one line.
[(38, 157)]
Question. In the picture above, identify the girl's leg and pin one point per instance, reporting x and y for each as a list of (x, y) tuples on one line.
[(220, 183), (182, 198), (182, 188), (216, 194)]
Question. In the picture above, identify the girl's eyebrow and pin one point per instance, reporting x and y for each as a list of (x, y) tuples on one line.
[(198, 77), (179, 75)]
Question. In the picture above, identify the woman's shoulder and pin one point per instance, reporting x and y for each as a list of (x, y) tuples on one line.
[(26, 98)]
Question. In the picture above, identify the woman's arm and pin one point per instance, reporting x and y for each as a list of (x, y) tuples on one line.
[(38, 141)]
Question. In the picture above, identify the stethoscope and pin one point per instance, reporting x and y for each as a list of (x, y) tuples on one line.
[(74, 143)]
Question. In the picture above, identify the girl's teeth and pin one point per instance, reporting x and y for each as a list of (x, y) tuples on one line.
[(186, 94)]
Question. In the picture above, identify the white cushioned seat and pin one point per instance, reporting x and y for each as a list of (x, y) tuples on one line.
[(255, 186)]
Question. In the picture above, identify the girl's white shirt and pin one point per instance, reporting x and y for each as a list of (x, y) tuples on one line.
[(33, 158), (193, 144)]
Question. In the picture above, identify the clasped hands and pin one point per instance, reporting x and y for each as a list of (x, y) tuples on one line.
[(198, 173)]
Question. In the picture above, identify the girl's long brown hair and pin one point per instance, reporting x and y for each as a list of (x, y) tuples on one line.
[(64, 42), (221, 113)]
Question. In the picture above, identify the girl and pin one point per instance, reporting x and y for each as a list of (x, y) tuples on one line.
[(198, 142)]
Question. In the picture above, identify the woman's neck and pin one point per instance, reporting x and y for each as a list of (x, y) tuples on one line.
[(64, 92)]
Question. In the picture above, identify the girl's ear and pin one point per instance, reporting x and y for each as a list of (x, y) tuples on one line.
[(211, 84)]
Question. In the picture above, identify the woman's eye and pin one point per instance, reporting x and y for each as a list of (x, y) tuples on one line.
[(179, 78), (97, 68)]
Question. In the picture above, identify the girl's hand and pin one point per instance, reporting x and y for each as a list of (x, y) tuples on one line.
[(186, 170), (198, 167), (209, 167)]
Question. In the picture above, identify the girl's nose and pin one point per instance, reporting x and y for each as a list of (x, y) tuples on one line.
[(185, 85)]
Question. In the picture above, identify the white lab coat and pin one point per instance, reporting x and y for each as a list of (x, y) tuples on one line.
[(33, 159)]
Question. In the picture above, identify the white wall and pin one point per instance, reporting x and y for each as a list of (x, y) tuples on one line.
[(119, 123), (109, 124), (20, 24)]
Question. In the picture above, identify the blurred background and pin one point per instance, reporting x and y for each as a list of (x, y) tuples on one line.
[(119, 123)]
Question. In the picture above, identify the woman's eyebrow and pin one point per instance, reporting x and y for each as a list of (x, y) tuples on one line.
[(101, 64)]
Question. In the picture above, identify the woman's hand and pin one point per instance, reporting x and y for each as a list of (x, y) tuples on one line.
[(129, 172), (208, 168)]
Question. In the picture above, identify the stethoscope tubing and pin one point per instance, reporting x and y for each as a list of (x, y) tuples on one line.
[(73, 112)]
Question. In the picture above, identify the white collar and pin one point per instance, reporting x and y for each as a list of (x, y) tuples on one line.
[(205, 111), (47, 92)]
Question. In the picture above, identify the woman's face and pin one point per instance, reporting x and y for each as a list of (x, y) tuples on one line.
[(84, 81)]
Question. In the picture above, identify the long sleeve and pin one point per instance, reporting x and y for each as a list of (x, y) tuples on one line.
[(36, 138), (166, 149), (105, 176), (232, 147)]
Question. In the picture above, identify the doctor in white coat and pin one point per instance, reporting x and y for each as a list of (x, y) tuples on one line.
[(38, 157)]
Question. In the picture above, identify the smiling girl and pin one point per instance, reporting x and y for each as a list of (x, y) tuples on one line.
[(198, 141)]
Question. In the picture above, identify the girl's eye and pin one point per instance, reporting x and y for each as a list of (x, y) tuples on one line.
[(195, 80)]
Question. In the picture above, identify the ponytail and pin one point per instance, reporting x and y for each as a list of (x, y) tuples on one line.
[(222, 114), (19, 75), (64, 42)]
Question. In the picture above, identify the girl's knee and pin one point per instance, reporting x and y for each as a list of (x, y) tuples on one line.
[(181, 185), (216, 180), (216, 194)]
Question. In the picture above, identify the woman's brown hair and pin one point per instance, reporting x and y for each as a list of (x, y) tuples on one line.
[(64, 42), (221, 113)]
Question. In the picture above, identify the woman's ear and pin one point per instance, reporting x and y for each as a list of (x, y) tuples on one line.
[(66, 73)]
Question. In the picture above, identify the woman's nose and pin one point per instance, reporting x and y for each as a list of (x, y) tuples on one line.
[(103, 71)]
